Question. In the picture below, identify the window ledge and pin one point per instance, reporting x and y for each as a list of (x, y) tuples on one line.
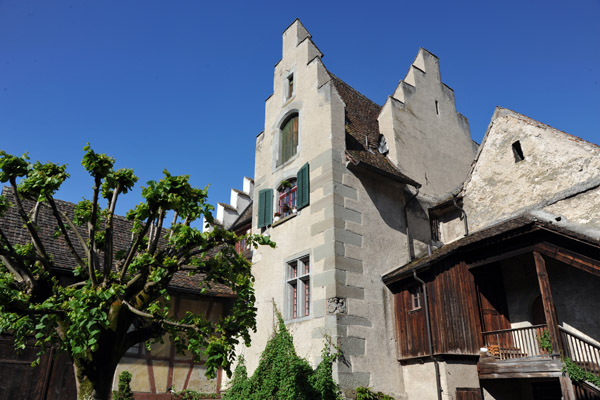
[(299, 319), (282, 220)]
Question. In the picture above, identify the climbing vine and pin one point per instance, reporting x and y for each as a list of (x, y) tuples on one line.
[(363, 393), (544, 341), (283, 375), (578, 374)]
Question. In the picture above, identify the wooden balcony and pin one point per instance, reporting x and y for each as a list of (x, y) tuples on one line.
[(516, 353)]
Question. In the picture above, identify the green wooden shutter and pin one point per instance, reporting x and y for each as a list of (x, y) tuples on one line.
[(303, 191), (265, 207)]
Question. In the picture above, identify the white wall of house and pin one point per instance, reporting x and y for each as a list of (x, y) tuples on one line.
[(353, 231)]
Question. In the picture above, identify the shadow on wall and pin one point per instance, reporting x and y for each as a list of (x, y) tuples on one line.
[(389, 197)]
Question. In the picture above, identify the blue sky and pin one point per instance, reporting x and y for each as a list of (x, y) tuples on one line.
[(181, 84)]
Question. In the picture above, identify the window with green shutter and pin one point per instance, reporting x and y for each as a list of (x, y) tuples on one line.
[(265, 207), (288, 139), (303, 181)]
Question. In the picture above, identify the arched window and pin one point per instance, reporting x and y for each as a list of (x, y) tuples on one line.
[(288, 139)]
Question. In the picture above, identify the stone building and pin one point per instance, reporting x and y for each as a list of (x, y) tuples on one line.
[(339, 180), (362, 198)]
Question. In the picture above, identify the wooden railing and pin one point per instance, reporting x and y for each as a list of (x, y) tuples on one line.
[(515, 343), (581, 350)]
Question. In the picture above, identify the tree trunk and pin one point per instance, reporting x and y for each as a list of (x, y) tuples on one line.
[(94, 377)]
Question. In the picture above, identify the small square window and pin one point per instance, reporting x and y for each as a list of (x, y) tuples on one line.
[(298, 288)]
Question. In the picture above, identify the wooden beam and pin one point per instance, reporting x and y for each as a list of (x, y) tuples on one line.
[(502, 256), (569, 257), (566, 387), (549, 309)]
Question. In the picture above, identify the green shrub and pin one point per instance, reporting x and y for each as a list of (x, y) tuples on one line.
[(544, 341), (578, 374), (193, 395), (363, 393), (283, 375), (124, 392)]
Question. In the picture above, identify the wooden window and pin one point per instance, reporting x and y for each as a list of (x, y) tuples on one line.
[(287, 197), (415, 298), (289, 87), (265, 207), (288, 140), (298, 286)]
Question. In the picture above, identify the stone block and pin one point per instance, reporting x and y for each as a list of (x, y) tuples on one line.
[(354, 379), (326, 224), (343, 263), (327, 250), (319, 308), (351, 251), (325, 278), (353, 346), (353, 320)]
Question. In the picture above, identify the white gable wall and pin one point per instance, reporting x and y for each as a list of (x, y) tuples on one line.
[(556, 166)]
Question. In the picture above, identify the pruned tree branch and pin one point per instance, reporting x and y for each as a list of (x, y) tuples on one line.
[(63, 230), (158, 319), (35, 239)]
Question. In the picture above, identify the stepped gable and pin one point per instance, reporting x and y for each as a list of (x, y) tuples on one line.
[(245, 218), (12, 226), (362, 132)]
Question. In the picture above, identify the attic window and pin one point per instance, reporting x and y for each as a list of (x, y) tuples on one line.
[(382, 146), (289, 87), (518, 151)]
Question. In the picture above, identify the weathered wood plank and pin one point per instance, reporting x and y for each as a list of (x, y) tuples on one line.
[(549, 309), (534, 367)]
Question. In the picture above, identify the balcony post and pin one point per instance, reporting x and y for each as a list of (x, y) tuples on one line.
[(548, 302), (551, 320)]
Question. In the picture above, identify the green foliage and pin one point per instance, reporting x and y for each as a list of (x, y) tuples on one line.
[(193, 395), (544, 341), (283, 375), (363, 393), (115, 289), (578, 374), (124, 392)]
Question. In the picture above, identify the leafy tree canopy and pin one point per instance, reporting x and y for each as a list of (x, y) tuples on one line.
[(110, 299)]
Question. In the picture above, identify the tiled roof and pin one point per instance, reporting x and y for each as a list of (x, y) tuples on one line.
[(362, 132), (13, 228)]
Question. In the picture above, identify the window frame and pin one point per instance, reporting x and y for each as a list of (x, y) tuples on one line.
[(289, 87), (298, 288), (416, 298), (287, 196), (288, 144)]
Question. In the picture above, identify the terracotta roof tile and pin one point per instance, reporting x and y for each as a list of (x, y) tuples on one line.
[(362, 132)]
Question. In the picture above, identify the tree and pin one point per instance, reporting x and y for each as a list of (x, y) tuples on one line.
[(116, 298)]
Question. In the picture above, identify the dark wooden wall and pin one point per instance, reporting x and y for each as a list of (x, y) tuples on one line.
[(454, 313), (52, 379)]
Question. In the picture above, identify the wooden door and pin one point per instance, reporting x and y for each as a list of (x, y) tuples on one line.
[(492, 305)]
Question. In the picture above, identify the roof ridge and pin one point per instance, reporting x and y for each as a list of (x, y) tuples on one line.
[(336, 78)]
